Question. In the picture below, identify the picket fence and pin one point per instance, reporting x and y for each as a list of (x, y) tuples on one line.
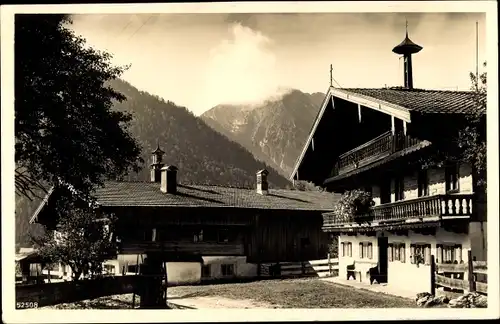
[(462, 276)]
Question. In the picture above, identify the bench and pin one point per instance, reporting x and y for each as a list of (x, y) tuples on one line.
[(369, 268)]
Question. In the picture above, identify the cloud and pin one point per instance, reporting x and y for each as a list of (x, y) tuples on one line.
[(241, 69)]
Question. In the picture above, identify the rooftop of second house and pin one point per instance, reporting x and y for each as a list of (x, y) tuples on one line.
[(421, 100), (116, 193)]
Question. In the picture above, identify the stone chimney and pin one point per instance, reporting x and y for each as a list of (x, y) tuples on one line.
[(262, 186), (169, 179)]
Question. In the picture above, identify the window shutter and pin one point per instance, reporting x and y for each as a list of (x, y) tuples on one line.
[(350, 249), (459, 253), (370, 250), (439, 253), (343, 249), (427, 254), (361, 250)]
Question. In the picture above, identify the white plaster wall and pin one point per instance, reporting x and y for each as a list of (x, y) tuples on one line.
[(355, 240), (183, 272), (408, 276), (376, 194), (242, 269)]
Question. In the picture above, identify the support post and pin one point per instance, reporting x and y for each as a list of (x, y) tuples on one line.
[(470, 272), (433, 275), (359, 112), (329, 264), (393, 126), (404, 127)]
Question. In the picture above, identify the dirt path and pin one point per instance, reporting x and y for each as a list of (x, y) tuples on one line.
[(216, 302)]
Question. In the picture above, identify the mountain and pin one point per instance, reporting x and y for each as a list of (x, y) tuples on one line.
[(202, 155), (274, 131)]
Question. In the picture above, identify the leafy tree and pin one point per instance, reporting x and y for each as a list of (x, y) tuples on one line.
[(64, 127), (472, 138), (82, 239)]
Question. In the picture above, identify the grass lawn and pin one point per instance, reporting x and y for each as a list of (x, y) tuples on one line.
[(296, 293), (285, 293)]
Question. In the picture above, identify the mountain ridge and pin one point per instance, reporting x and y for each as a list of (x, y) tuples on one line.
[(274, 131)]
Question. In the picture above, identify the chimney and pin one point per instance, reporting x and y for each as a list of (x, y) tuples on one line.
[(169, 179), (262, 186), (407, 48), (157, 164)]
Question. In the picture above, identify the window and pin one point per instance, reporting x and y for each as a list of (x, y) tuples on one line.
[(198, 236), (423, 183), (399, 188), (227, 269), (132, 268), (365, 250), (206, 271), (449, 253), (451, 178), (420, 253), (397, 252), (109, 268), (346, 249)]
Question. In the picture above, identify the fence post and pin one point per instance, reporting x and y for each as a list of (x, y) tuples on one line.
[(433, 275), (470, 273), (329, 264)]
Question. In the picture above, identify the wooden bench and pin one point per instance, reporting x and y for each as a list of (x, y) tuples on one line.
[(369, 268)]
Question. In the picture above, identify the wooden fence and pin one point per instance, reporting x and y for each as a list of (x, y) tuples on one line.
[(316, 268), (70, 291), (461, 276)]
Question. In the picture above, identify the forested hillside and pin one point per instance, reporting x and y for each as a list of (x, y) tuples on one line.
[(202, 155)]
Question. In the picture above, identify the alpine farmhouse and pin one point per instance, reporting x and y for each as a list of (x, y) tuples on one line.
[(375, 140), (206, 231)]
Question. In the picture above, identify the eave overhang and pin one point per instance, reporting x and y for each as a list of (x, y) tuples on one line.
[(388, 108)]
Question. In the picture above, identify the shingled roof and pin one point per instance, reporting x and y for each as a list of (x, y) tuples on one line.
[(423, 101), (115, 194)]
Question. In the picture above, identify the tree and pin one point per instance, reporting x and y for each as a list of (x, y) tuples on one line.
[(82, 239), (472, 138), (65, 128)]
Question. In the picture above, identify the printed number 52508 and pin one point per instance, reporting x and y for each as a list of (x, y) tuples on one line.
[(26, 305)]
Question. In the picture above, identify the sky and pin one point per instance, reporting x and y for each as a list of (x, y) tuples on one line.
[(201, 60)]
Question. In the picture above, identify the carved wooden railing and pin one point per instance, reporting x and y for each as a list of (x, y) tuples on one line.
[(429, 206), (371, 151)]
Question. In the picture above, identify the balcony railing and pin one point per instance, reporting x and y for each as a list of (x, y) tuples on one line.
[(371, 151), (419, 208)]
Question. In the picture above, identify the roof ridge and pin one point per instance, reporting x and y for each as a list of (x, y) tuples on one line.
[(409, 90)]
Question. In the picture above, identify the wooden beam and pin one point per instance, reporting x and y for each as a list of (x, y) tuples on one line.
[(373, 103)]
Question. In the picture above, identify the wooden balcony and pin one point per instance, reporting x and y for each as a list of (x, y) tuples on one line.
[(372, 151), (437, 206)]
